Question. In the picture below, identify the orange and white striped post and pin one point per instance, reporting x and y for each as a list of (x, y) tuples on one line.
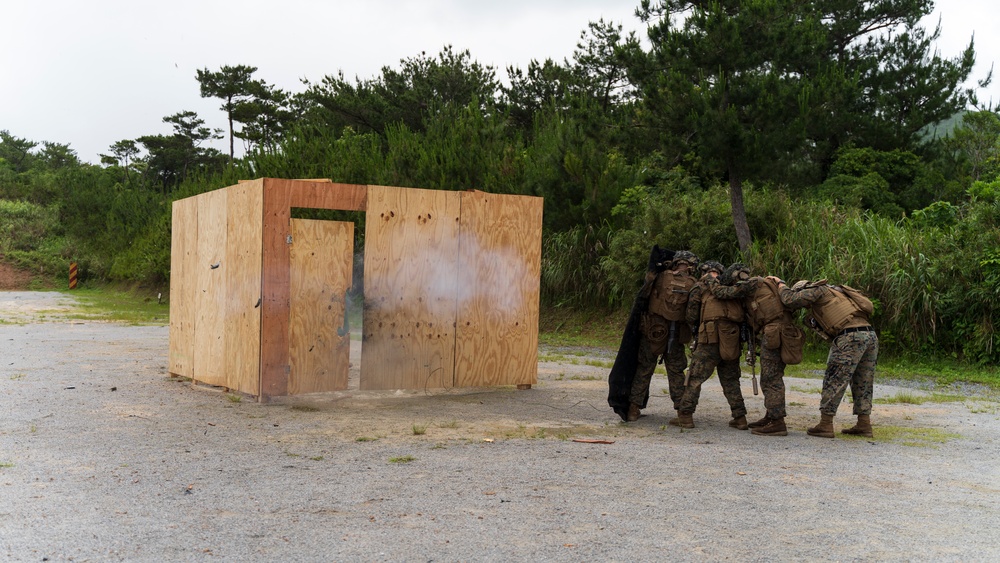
[(72, 275)]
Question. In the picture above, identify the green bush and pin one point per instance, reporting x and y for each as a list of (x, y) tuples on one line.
[(679, 215), (24, 225)]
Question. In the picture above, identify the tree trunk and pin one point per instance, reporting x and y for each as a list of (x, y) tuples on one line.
[(230, 136), (739, 212)]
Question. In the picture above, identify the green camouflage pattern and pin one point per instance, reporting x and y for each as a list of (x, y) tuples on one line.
[(704, 360), (852, 361), (772, 381), (652, 345), (772, 369)]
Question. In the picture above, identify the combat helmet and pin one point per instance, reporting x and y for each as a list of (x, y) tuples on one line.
[(685, 256), (710, 266), (736, 271)]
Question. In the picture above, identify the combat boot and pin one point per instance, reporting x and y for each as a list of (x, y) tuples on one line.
[(633, 412), (774, 427), (760, 423), (862, 428), (825, 427), (684, 420), (739, 423)]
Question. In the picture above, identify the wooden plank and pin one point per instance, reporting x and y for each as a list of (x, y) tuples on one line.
[(325, 194), (243, 293), (210, 269), (500, 264), (275, 302), (321, 260), (183, 249), (411, 245)]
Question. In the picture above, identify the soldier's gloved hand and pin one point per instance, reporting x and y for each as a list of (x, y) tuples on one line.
[(659, 259), (654, 259)]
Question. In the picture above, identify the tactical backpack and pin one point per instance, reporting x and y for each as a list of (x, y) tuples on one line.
[(835, 311), (670, 295), (859, 299)]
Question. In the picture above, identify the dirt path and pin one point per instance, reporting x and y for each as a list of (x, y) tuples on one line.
[(105, 457)]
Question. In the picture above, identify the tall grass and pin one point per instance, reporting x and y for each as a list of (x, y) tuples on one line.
[(571, 268), (931, 286)]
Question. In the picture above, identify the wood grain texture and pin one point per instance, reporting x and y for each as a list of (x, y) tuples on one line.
[(183, 253), (243, 289), (321, 261), (210, 269), (497, 319), (325, 195), (411, 250), (275, 289)]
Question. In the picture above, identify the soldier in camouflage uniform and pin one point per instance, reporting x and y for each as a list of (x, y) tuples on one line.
[(663, 331), (772, 325), (853, 350), (716, 323)]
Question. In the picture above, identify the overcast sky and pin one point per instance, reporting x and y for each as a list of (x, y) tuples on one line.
[(90, 73)]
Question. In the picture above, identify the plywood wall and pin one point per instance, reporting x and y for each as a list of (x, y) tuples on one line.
[(210, 269), (183, 252), (321, 260), (215, 288), (411, 271), (280, 196), (500, 245), (243, 293)]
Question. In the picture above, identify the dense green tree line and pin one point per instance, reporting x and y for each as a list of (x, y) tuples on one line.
[(818, 139)]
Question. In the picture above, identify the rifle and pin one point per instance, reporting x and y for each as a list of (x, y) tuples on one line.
[(811, 323), (747, 335), (751, 355)]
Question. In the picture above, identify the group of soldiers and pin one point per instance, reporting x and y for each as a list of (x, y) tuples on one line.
[(717, 309)]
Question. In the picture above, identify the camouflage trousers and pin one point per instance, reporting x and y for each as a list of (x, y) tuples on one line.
[(675, 361), (852, 361), (704, 360), (772, 380)]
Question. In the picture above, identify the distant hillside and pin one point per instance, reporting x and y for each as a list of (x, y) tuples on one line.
[(943, 128)]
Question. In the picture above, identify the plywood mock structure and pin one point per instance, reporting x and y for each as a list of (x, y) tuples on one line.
[(321, 263), (257, 299)]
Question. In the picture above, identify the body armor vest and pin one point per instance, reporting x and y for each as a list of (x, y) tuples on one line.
[(835, 312), (764, 306), (714, 309), (670, 295)]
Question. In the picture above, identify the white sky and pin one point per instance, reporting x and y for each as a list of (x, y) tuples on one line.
[(90, 73)]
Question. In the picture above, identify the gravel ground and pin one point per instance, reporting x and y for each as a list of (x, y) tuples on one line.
[(104, 457)]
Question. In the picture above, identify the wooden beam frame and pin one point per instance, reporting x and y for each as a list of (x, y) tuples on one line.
[(280, 196)]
